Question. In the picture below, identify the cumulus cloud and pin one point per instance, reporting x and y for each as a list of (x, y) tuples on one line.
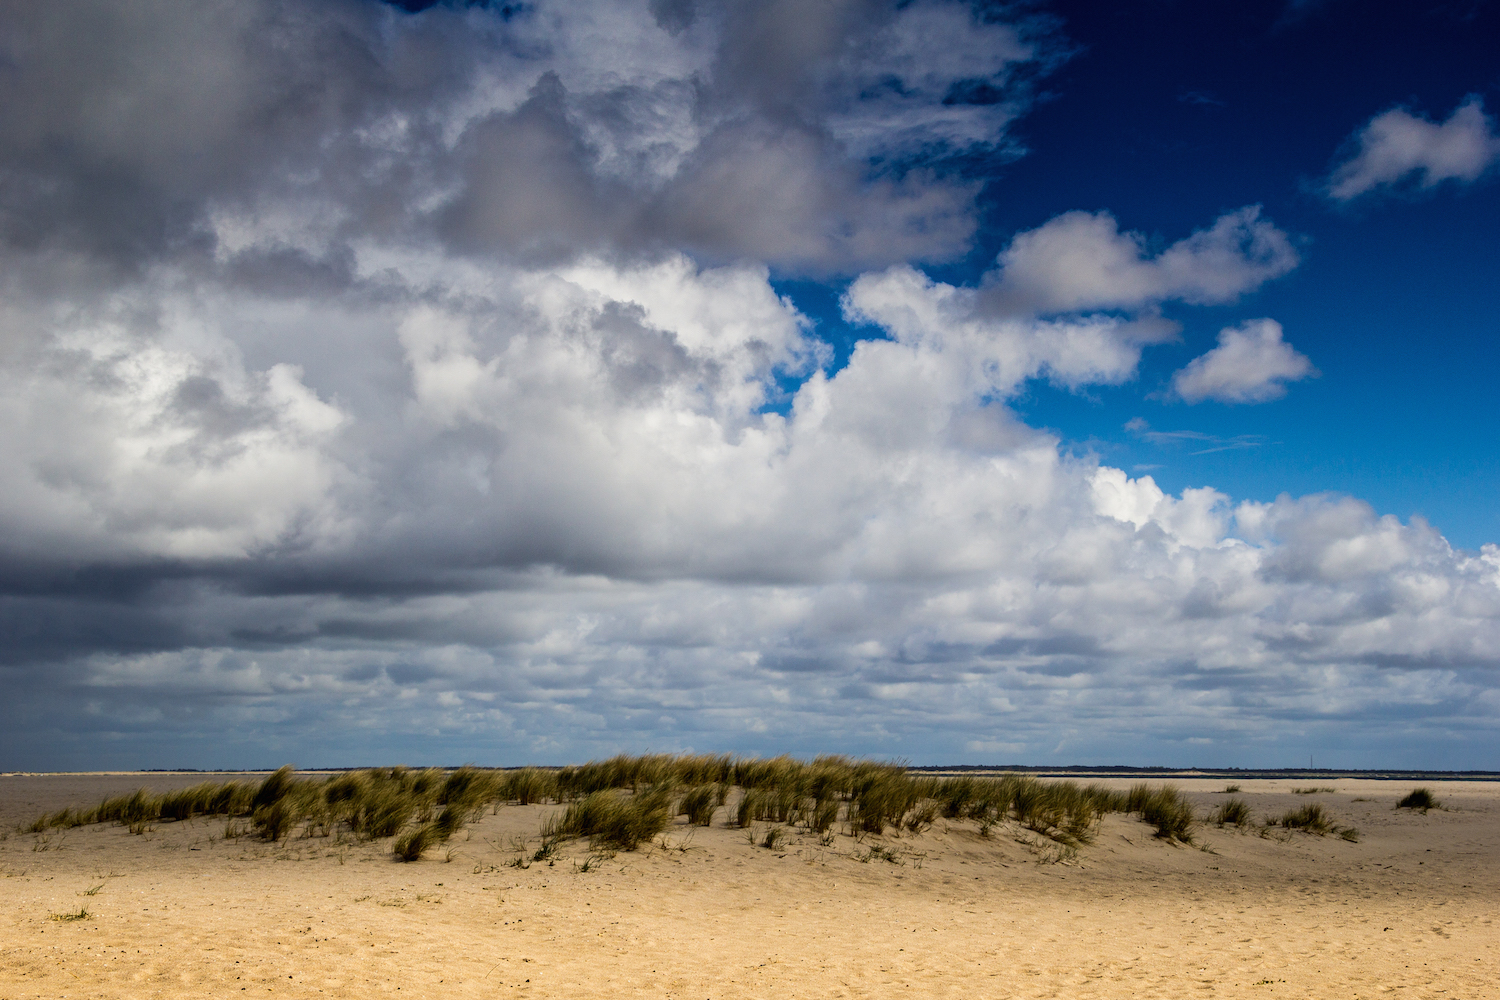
[(435, 398), (1398, 146), (537, 132), (1081, 261), (1252, 364)]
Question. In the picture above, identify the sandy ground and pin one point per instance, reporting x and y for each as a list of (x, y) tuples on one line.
[(183, 911)]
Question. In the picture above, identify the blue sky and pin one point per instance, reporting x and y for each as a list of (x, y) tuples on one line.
[(1167, 114), (1043, 384)]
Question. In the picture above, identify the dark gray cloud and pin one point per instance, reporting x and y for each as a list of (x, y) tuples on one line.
[(139, 136)]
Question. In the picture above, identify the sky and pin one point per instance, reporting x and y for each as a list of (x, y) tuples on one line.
[(1035, 383)]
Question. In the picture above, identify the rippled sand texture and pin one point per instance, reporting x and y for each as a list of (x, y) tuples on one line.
[(182, 912)]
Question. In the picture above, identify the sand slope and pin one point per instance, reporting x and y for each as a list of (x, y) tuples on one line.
[(183, 912)]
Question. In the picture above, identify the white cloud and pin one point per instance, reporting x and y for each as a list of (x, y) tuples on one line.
[(1252, 364), (1081, 261), (563, 514), (1397, 145), (119, 446)]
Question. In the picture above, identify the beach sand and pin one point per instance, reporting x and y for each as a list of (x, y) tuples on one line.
[(181, 911)]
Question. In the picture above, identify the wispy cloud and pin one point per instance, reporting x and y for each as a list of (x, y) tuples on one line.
[(1204, 444)]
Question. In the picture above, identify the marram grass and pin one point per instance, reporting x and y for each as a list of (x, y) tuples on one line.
[(623, 802)]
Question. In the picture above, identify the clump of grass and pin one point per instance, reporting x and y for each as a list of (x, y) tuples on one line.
[(1230, 789), (1348, 833), (611, 819), (1312, 791), (822, 814), (699, 804), (411, 845), (1165, 808), (134, 810), (1232, 812), (882, 796), (274, 788), (1311, 818), (65, 918), (529, 785), (775, 836), (273, 822), (1419, 798)]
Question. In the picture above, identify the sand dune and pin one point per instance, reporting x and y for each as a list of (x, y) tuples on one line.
[(181, 911)]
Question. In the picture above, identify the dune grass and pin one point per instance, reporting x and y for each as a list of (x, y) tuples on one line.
[(1232, 812), (1419, 798), (368, 804), (1312, 818), (623, 801), (612, 819)]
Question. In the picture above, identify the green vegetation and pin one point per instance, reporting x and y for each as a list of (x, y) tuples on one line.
[(699, 804), (622, 802), (611, 819), (1311, 818), (367, 804), (1233, 812), (1419, 798), (411, 844)]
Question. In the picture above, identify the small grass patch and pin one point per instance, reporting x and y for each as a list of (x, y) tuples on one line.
[(1419, 798), (1311, 818), (412, 844), (699, 804), (1312, 791), (67, 918), (1232, 812), (1165, 808)]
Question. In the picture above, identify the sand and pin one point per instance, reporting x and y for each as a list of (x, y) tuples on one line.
[(181, 911)]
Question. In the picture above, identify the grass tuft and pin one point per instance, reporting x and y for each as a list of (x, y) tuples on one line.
[(1311, 818), (411, 845), (1232, 812), (699, 804), (1165, 808), (1419, 798)]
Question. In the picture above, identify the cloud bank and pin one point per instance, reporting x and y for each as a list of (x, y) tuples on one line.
[(382, 386)]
